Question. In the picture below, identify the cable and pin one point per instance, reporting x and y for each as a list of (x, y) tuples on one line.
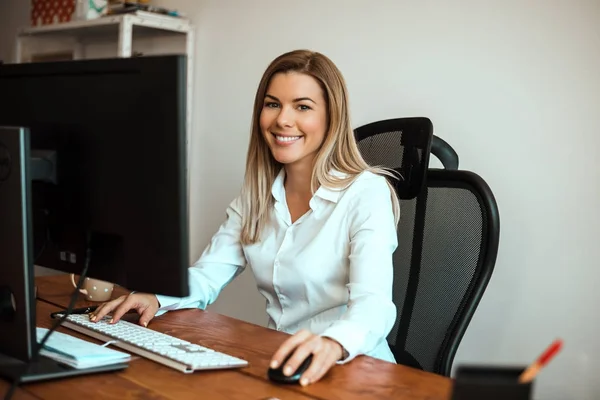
[(58, 322)]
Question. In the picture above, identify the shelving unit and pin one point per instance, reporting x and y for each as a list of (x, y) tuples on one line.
[(121, 27), (122, 30)]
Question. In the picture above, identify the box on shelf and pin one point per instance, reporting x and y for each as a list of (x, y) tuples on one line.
[(47, 12)]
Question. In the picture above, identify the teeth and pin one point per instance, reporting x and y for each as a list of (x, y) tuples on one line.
[(287, 138)]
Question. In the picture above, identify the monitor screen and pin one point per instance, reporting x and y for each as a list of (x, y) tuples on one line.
[(116, 129)]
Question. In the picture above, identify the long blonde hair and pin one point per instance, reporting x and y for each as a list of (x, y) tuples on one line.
[(339, 150)]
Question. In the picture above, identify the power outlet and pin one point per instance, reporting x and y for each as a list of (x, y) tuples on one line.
[(69, 257)]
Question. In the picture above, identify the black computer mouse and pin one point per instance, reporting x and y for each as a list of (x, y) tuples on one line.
[(276, 374)]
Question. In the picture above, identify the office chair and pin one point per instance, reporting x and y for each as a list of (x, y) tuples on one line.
[(447, 241)]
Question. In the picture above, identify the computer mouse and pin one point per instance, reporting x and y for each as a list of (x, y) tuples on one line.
[(276, 374)]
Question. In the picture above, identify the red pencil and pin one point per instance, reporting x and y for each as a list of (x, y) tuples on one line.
[(533, 369)]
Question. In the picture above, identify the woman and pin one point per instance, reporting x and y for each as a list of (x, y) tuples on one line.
[(315, 223)]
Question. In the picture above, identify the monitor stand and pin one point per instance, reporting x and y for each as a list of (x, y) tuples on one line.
[(18, 340)]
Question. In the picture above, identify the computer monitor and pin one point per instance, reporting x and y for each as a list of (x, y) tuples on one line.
[(98, 148)]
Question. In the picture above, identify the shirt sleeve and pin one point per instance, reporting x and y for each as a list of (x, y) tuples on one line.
[(222, 260), (371, 312)]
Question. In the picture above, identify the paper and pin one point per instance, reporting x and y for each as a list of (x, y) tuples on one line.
[(78, 353)]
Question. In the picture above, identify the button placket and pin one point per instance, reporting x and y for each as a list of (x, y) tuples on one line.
[(276, 265), (275, 287)]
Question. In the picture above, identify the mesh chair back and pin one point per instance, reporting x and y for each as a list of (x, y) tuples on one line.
[(440, 276), (447, 245)]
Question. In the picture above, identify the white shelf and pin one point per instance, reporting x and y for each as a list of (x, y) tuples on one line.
[(102, 25), (119, 28)]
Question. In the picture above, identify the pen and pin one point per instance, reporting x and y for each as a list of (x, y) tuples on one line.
[(547, 355), (82, 310)]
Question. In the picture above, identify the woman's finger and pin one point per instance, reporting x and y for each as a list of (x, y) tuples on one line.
[(106, 308), (129, 304), (288, 346), (302, 351), (146, 315), (329, 361), (148, 309), (319, 362)]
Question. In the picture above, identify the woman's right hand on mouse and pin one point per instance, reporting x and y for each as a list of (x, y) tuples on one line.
[(145, 304)]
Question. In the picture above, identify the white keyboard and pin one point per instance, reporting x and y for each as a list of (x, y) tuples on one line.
[(165, 349)]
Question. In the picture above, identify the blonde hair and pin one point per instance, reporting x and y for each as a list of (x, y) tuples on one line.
[(339, 150)]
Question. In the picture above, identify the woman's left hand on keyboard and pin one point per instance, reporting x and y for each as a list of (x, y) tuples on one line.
[(143, 303)]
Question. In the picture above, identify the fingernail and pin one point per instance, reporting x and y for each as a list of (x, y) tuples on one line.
[(274, 364), (93, 318), (145, 324), (287, 370), (111, 321), (304, 381)]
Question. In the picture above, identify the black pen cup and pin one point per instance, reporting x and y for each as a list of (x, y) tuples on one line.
[(490, 383)]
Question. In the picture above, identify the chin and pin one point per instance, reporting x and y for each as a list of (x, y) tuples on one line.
[(285, 159), (285, 156)]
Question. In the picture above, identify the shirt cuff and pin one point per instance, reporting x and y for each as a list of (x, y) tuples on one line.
[(166, 303), (348, 336)]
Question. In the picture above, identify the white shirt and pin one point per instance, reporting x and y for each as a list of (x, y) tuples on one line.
[(329, 272)]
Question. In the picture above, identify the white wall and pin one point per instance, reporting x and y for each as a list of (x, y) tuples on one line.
[(513, 86), (13, 15)]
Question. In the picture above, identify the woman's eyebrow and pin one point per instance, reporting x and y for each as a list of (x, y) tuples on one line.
[(295, 100)]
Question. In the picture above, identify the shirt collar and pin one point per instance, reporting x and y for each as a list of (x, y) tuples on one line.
[(330, 194), (278, 190)]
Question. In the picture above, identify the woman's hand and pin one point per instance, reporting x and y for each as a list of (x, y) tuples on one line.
[(326, 352), (145, 304)]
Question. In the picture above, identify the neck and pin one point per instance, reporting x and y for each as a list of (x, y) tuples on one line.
[(298, 179)]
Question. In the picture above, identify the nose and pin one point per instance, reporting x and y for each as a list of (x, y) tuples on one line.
[(285, 119)]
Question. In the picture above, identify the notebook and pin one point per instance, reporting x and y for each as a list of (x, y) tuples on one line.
[(78, 353)]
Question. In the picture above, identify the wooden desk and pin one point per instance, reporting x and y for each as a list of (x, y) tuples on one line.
[(364, 377)]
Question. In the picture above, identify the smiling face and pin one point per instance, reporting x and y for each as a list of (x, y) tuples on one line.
[(293, 119)]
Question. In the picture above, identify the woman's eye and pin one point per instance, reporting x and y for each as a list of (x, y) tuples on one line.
[(304, 107), (271, 104)]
